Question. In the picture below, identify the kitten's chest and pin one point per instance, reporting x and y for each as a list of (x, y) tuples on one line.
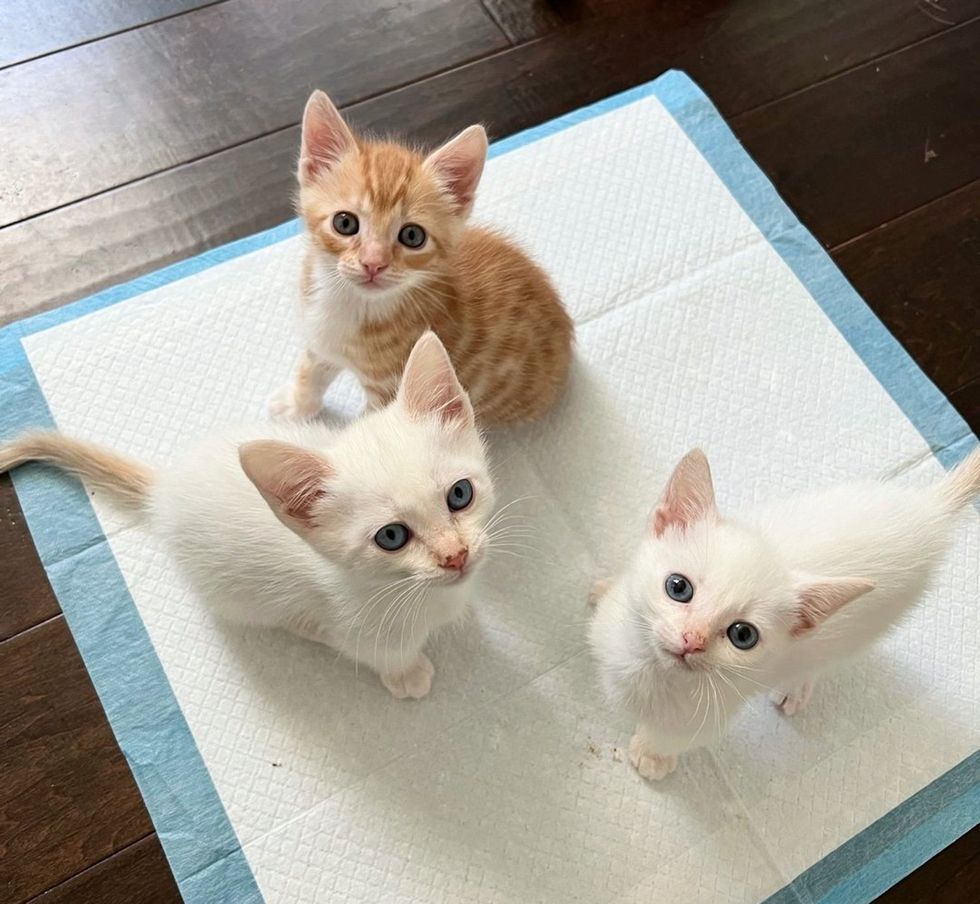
[(374, 349), (330, 327)]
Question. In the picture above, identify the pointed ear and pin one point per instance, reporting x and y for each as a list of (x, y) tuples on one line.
[(458, 165), (326, 137), (819, 598), (430, 386), (291, 480), (688, 497)]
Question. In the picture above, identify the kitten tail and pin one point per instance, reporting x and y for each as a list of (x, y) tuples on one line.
[(962, 484), (127, 479)]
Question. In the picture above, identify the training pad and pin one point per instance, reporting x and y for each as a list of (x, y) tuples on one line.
[(706, 316)]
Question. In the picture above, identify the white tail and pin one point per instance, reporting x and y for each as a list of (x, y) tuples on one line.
[(962, 484), (126, 478)]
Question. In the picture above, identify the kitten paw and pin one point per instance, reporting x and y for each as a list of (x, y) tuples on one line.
[(794, 700), (413, 684), (598, 591), (286, 404), (652, 766)]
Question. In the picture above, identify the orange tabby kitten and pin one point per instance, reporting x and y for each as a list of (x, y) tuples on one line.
[(389, 255)]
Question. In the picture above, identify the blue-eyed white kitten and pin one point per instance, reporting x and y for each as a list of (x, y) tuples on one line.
[(365, 539)]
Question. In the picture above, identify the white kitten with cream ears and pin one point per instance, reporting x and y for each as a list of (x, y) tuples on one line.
[(364, 539), (712, 609)]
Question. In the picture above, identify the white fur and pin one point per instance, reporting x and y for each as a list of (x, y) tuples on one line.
[(887, 539), (275, 525), (328, 580)]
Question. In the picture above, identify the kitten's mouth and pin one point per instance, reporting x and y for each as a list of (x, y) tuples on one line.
[(377, 284), (684, 660)]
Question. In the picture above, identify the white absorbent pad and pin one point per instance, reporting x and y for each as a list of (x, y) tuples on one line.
[(707, 315)]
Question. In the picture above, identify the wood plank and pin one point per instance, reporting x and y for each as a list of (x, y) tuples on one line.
[(138, 874), (103, 114), (952, 876), (75, 251), (758, 48), (920, 274), (839, 34), (33, 28), (26, 598), (67, 798), (127, 232), (525, 20), (864, 148)]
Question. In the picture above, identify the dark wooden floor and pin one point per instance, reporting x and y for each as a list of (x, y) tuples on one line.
[(137, 132)]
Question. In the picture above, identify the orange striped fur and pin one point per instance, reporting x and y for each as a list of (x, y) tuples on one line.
[(367, 297)]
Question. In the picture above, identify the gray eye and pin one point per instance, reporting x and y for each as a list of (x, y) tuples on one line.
[(460, 495), (743, 635), (679, 588), (345, 223), (392, 537), (412, 235)]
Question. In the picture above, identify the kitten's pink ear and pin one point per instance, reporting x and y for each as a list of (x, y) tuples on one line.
[(820, 598), (430, 386), (689, 496), (458, 165), (326, 137), (291, 480)]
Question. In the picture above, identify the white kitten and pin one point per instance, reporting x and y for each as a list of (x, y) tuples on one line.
[(712, 610), (364, 539)]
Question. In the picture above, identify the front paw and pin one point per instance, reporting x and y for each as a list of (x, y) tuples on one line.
[(288, 403), (652, 766), (413, 684), (793, 700)]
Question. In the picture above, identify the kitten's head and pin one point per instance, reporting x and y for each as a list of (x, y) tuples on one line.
[(384, 218), (714, 595), (402, 492)]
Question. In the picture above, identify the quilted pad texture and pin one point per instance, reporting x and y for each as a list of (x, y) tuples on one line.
[(706, 316)]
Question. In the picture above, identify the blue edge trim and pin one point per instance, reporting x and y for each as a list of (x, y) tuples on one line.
[(200, 843)]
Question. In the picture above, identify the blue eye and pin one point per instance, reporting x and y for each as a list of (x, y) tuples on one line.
[(460, 495), (412, 235), (392, 537), (743, 635), (679, 588), (345, 223)]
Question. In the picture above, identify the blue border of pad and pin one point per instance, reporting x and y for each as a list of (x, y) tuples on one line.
[(204, 853)]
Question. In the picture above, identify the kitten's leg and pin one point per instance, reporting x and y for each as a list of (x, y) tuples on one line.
[(415, 682), (644, 757), (794, 699), (302, 397), (598, 591)]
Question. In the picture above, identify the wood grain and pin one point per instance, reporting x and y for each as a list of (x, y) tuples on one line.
[(32, 28), (525, 20), (920, 275), (103, 114), (67, 798), (138, 874), (25, 598), (883, 139), (133, 230)]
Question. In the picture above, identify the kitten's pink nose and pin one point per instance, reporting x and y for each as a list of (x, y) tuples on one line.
[(457, 561), (693, 642), (371, 270)]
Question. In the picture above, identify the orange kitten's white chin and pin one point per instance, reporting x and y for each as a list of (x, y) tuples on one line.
[(382, 287)]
